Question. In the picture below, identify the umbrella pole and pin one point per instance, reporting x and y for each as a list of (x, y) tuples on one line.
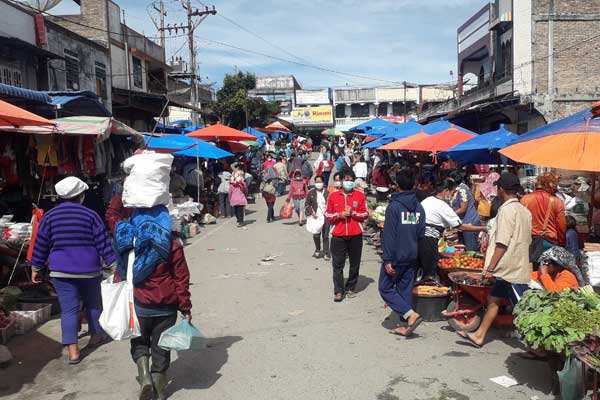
[(591, 211), (198, 176)]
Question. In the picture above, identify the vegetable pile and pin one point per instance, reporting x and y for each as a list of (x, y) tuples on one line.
[(552, 320), (378, 214), (461, 261)]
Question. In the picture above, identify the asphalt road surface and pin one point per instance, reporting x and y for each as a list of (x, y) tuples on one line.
[(275, 333)]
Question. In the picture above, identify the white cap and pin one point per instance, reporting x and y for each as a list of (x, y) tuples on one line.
[(70, 187)]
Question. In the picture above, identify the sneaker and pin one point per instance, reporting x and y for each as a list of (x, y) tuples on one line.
[(317, 254), (326, 257)]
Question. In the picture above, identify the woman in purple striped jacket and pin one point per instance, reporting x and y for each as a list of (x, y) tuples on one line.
[(71, 242)]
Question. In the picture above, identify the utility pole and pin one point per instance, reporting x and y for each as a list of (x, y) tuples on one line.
[(191, 29), (405, 113)]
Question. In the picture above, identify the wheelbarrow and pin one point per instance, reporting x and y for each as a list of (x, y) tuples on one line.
[(469, 299)]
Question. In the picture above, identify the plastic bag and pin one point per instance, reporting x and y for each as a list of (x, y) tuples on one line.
[(183, 336), (118, 317), (571, 380), (315, 225), (287, 210), (147, 183)]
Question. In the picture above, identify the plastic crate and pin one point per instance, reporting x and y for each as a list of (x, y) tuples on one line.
[(28, 315), (8, 332)]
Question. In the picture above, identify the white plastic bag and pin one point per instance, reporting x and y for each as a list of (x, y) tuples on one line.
[(147, 183), (315, 225), (118, 318)]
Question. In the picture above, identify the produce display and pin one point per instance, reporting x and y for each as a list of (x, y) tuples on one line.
[(552, 320), (430, 290), (464, 260), (378, 213)]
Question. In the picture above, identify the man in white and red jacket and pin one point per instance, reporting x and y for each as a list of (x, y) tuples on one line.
[(346, 209)]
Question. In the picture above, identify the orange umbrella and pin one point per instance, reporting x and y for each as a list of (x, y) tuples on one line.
[(572, 143), (440, 141), (399, 144), (220, 132), (15, 117), (276, 126)]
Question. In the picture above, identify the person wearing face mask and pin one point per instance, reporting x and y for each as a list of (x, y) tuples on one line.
[(337, 183), (438, 217), (346, 210), (507, 255), (316, 205), (297, 194), (71, 242), (269, 162)]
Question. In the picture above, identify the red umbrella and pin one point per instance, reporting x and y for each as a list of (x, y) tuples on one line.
[(15, 117), (439, 142), (276, 126), (219, 132)]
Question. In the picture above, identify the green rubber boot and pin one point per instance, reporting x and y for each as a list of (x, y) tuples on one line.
[(160, 382), (145, 379)]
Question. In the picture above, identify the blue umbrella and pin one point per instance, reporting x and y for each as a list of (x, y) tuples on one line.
[(482, 149), (204, 150), (372, 125), (393, 133)]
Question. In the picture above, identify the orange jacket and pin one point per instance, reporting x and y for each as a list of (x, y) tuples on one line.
[(537, 203), (564, 280)]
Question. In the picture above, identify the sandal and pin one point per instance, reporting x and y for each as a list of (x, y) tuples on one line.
[(350, 294), (411, 328), (466, 336), (68, 361), (338, 297)]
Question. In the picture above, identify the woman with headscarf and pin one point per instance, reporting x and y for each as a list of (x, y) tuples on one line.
[(558, 270), (72, 242), (238, 193), (549, 223)]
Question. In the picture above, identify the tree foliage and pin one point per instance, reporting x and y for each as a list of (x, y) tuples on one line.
[(233, 102)]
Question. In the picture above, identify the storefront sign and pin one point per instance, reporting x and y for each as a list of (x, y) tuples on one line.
[(322, 115)]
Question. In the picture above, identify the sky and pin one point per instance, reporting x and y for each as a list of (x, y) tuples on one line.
[(383, 41)]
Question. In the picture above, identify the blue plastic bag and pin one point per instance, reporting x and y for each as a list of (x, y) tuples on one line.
[(183, 336)]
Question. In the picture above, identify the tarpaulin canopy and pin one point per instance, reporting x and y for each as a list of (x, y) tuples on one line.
[(220, 132), (332, 132), (572, 143), (260, 136), (367, 127), (399, 144), (181, 145), (276, 126), (13, 116), (393, 133), (102, 127), (440, 141), (482, 149)]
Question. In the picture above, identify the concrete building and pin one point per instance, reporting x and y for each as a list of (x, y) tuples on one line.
[(281, 89), (137, 64), (355, 105), (22, 63), (524, 63)]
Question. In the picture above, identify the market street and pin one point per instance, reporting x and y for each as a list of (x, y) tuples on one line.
[(276, 334)]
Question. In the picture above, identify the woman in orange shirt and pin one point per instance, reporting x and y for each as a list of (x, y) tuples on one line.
[(553, 274)]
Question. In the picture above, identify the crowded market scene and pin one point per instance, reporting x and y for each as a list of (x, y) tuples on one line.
[(165, 238)]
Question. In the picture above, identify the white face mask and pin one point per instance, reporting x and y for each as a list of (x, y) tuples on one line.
[(337, 184), (319, 186)]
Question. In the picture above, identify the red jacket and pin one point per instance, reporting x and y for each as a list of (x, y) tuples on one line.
[(169, 283), (337, 203)]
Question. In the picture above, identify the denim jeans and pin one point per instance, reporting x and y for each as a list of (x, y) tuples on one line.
[(224, 207)]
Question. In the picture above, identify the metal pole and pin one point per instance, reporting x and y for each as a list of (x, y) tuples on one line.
[(405, 113), (192, 62), (162, 27)]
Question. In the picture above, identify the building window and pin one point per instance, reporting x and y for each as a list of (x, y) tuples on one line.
[(72, 69), (11, 76), (138, 74), (360, 110), (100, 69)]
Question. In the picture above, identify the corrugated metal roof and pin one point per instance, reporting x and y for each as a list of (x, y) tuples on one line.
[(28, 94)]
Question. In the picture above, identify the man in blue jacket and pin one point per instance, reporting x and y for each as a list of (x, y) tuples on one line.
[(404, 226)]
